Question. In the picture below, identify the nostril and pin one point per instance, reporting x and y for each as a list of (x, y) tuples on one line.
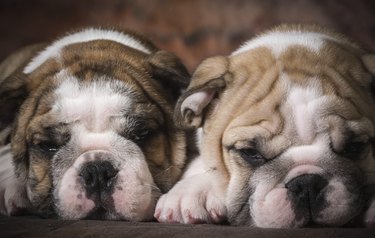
[(109, 171), (98, 176), (307, 186), (89, 175), (109, 175), (317, 184)]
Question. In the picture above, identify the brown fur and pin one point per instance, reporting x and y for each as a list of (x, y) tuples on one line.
[(159, 76)]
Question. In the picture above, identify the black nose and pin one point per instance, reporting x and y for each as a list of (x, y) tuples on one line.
[(98, 176), (307, 190)]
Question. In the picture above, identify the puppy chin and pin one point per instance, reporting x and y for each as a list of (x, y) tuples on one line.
[(137, 205), (87, 209)]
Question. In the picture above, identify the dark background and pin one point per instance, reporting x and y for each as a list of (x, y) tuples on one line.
[(193, 29)]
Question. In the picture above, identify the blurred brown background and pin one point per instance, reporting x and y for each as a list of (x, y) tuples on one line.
[(193, 29)]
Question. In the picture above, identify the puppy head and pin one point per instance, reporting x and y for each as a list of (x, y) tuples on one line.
[(94, 137), (292, 124)]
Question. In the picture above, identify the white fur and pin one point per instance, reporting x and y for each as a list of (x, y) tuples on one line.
[(278, 42), (302, 102), (269, 203), (199, 136), (91, 34), (339, 203), (305, 154), (97, 112), (12, 191), (93, 105), (272, 209), (133, 196), (68, 192), (302, 170), (198, 197), (197, 101)]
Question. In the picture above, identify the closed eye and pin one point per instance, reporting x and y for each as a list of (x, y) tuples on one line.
[(141, 135), (252, 156), (49, 142), (353, 149), (248, 152)]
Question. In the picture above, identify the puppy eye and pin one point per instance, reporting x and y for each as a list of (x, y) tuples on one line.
[(48, 147), (353, 149), (252, 156), (142, 135)]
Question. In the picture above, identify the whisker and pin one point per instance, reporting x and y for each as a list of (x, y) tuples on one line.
[(164, 171), (151, 185)]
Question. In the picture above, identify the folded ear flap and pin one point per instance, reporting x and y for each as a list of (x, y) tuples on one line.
[(13, 92), (369, 62), (208, 80), (14, 83), (167, 69)]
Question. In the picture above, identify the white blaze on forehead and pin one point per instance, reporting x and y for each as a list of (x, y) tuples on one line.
[(91, 105), (278, 42), (303, 103), (91, 34)]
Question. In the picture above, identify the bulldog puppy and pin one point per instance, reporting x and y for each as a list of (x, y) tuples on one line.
[(87, 126), (287, 134)]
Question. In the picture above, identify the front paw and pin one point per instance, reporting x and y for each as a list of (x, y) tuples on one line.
[(193, 200), (13, 199), (13, 196), (369, 217)]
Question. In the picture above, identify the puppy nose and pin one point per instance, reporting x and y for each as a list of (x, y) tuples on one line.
[(307, 188), (98, 176)]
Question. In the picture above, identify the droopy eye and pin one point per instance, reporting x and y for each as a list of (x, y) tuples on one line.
[(353, 149), (141, 135), (252, 156), (48, 147)]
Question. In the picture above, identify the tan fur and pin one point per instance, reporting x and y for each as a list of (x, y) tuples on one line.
[(252, 84), (250, 102)]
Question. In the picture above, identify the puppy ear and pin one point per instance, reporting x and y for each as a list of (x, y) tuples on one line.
[(13, 92), (207, 81), (167, 69), (369, 62), (14, 83)]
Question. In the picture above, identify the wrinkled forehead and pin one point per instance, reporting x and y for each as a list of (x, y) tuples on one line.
[(299, 85), (94, 102), (300, 112), (313, 111)]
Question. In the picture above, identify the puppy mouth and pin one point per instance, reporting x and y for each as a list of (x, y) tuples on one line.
[(307, 200), (99, 187), (104, 207), (98, 213), (307, 196)]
